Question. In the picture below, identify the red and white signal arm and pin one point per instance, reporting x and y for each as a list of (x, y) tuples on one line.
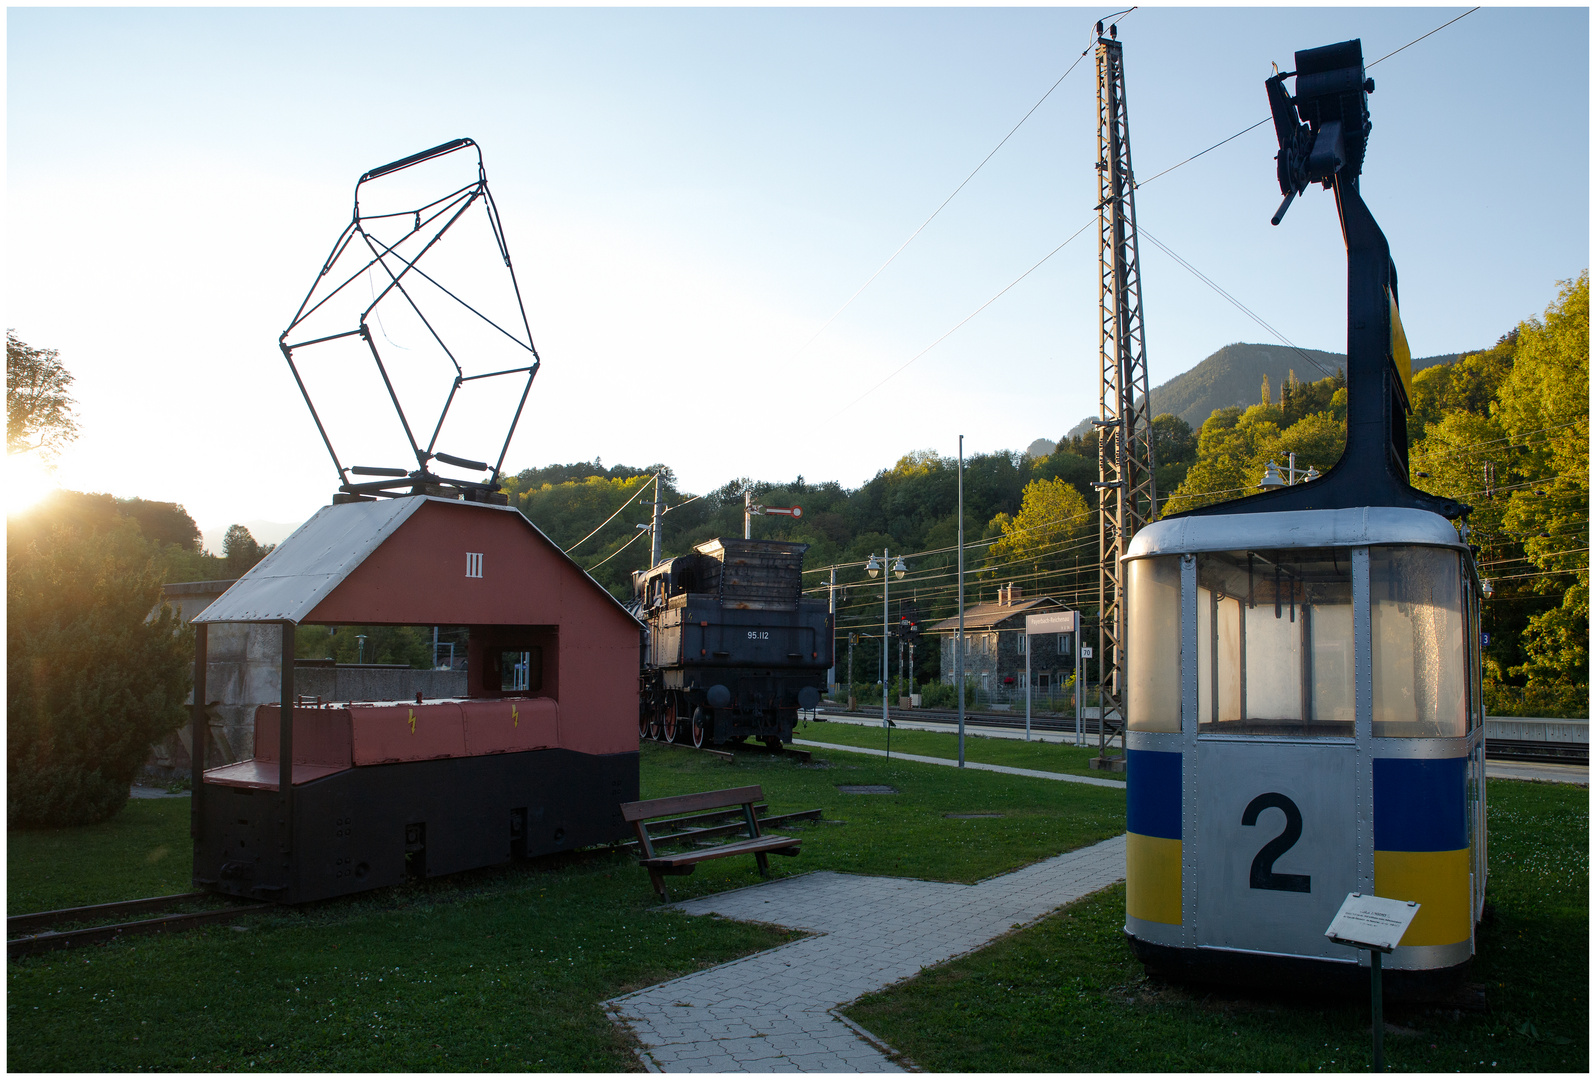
[(786, 511)]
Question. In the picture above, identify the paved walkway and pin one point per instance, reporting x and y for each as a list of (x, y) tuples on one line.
[(1554, 771), (775, 1011), (907, 721), (1096, 781)]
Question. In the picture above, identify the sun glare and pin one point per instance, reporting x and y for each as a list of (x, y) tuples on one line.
[(27, 481)]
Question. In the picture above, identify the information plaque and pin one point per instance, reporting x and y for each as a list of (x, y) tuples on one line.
[(1371, 922)]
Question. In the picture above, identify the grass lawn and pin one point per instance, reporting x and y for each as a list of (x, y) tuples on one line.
[(142, 851), (1049, 757), (494, 970), (1066, 995)]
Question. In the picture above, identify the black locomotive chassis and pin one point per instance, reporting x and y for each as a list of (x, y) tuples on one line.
[(371, 826), (763, 657), (764, 704)]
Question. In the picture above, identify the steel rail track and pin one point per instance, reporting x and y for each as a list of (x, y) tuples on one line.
[(1495, 749), (36, 935)]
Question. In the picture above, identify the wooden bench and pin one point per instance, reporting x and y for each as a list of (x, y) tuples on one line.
[(759, 845)]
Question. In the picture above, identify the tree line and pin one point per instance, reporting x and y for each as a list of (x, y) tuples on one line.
[(95, 678)]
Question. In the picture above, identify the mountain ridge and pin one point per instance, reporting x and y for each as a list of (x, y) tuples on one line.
[(1234, 375)]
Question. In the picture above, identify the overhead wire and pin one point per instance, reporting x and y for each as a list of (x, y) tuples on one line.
[(950, 198), (1266, 119), (613, 516), (1243, 308), (616, 552), (898, 370)]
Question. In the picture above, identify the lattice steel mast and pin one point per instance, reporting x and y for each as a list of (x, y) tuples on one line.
[(1126, 496)]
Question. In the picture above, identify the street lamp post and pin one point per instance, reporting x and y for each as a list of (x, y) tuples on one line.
[(898, 570), (1272, 478), (958, 650)]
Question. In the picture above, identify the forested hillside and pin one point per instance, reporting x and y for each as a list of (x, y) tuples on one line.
[(1505, 431), (1030, 521)]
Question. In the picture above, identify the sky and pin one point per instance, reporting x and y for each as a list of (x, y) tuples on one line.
[(692, 196)]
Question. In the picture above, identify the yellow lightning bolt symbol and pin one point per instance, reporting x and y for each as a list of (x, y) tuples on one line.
[(515, 716), (412, 721)]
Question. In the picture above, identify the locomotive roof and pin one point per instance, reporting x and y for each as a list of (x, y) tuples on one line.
[(1354, 527), (723, 546), (428, 579)]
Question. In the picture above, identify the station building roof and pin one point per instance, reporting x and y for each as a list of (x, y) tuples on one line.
[(992, 613)]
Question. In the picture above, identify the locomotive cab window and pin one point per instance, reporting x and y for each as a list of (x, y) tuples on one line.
[(1274, 643)]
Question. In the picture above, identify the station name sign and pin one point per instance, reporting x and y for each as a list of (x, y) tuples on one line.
[(1052, 622)]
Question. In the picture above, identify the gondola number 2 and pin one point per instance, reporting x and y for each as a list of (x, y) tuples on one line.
[(1263, 874)]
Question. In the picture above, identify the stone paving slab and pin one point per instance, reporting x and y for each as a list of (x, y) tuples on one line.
[(775, 1011)]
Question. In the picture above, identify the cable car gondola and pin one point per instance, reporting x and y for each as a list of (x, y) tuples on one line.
[(1325, 734)]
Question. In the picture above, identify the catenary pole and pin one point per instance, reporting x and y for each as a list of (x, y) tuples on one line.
[(958, 648), (659, 510)]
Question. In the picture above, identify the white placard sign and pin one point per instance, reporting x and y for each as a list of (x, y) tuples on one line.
[(1051, 622), (1371, 922), (1086, 652)]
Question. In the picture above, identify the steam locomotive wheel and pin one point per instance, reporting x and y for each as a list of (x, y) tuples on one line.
[(698, 729), (653, 727), (642, 724), (670, 720)]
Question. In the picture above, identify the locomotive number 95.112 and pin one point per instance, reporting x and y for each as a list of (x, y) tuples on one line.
[(759, 635)]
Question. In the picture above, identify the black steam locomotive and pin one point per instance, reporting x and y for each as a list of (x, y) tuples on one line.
[(732, 649)]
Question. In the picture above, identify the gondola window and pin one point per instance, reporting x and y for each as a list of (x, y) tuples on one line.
[(1274, 643)]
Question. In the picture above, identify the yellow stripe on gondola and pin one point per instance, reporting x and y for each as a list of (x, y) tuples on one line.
[(1439, 881), (1401, 355), (1152, 878)]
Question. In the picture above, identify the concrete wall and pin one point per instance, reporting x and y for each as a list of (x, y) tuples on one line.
[(375, 682)]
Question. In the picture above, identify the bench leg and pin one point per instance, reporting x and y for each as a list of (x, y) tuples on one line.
[(659, 886), (764, 863)]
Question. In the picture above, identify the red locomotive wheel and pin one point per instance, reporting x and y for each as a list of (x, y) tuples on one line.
[(670, 720), (653, 727), (698, 729), (642, 725)]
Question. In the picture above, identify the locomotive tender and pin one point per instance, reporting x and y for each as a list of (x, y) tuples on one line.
[(732, 648)]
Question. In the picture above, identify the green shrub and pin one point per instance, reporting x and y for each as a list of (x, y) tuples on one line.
[(1560, 700), (93, 679)]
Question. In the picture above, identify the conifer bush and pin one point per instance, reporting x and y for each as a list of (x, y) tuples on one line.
[(93, 679)]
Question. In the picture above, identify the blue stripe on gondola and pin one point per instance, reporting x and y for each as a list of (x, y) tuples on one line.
[(1420, 804), (1152, 793)]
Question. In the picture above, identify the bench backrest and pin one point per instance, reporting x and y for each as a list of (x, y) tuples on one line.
[(687, 804)]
